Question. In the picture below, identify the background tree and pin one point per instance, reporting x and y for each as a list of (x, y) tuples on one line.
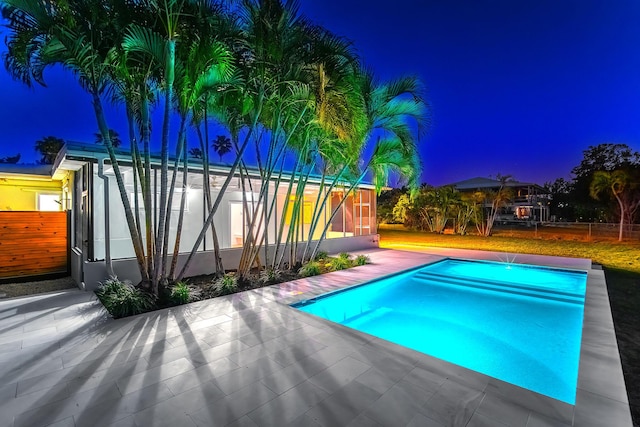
[(607, 157), (195, 152), (115, 138), (561, 204), (221, 145), (10, 159), (386, 202), (48, 147), (490, 203), (614, 184)]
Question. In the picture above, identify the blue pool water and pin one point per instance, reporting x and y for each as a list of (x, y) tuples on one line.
[(518, 323)]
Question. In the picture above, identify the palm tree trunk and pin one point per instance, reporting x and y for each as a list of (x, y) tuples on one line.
[(104, 130), (183, 201), (204, 146), (148, 208), (164, 162), (167, 228), (621, 214)]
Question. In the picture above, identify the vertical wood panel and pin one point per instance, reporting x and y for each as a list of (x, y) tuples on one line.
[(32, 243)]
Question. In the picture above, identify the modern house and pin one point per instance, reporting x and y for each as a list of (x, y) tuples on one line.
[(82, 172), (530, 201)]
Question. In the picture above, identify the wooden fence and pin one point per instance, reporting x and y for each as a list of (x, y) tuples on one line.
[(33, 243)]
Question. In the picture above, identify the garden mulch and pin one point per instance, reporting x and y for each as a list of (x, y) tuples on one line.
[(11, 290)]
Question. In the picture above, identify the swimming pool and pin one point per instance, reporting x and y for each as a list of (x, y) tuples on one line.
[(519, 323)]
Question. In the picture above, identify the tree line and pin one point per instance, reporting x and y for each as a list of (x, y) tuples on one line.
[(605, 188), (287, 91)]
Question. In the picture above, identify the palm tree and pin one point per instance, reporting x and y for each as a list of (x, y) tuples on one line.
[(10, 159), (391, 110), (195, 152), (221, 145), (484, 216), (115, 138), (48, 147), (613, 183)]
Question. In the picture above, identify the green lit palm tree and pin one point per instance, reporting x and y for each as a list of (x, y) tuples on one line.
[(614, 183), (390, 111)]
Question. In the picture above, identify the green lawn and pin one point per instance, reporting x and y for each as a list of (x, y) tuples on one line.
[(621, 262), (623, 256)]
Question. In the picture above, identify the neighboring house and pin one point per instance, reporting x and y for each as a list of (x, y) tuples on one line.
[(530, 201), (73, 187), (33, 221)]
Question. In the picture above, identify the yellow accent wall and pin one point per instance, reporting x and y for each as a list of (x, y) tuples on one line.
[(22, 194)]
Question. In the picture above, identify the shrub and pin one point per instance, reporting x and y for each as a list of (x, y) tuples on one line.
[(312, 268), (227, 284), (362, 260), (339, 263), (122, 299), (321, 256), (345, 256), (270, 275), (180, 293)]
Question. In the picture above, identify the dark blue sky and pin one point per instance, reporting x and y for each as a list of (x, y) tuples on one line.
[(517, 87)]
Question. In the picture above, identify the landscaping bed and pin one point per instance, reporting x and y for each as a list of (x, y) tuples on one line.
[(122, 299)]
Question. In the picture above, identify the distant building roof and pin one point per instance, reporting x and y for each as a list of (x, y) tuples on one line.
[(479, 183)]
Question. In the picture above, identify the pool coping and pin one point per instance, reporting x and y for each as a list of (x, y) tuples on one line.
[(601, 397)]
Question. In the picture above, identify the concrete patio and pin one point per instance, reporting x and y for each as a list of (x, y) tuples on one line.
[(251, 360)]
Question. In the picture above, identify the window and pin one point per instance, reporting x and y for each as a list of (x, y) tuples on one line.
[(49, 202)]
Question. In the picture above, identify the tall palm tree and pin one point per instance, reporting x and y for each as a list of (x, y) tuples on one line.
[(391, 110), (614, 183)]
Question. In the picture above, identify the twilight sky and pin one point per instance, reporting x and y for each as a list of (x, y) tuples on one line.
[(517, 87)]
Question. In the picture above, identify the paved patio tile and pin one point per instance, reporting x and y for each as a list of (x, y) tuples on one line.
[(153, 375), (293, 375), (113, 410), (340, 374), (377, 379), (363, 421), (399, 405), (234, 406), (504, 412), (344, 406), (422, 421), (245, 421), (287, 407), (479, 420), (538, 420), (247, 375), (201, 375), (59, 410), (453, 404), (595, 410)]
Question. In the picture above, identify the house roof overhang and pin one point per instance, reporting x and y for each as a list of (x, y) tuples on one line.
[(74, 155), (26, 172)]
